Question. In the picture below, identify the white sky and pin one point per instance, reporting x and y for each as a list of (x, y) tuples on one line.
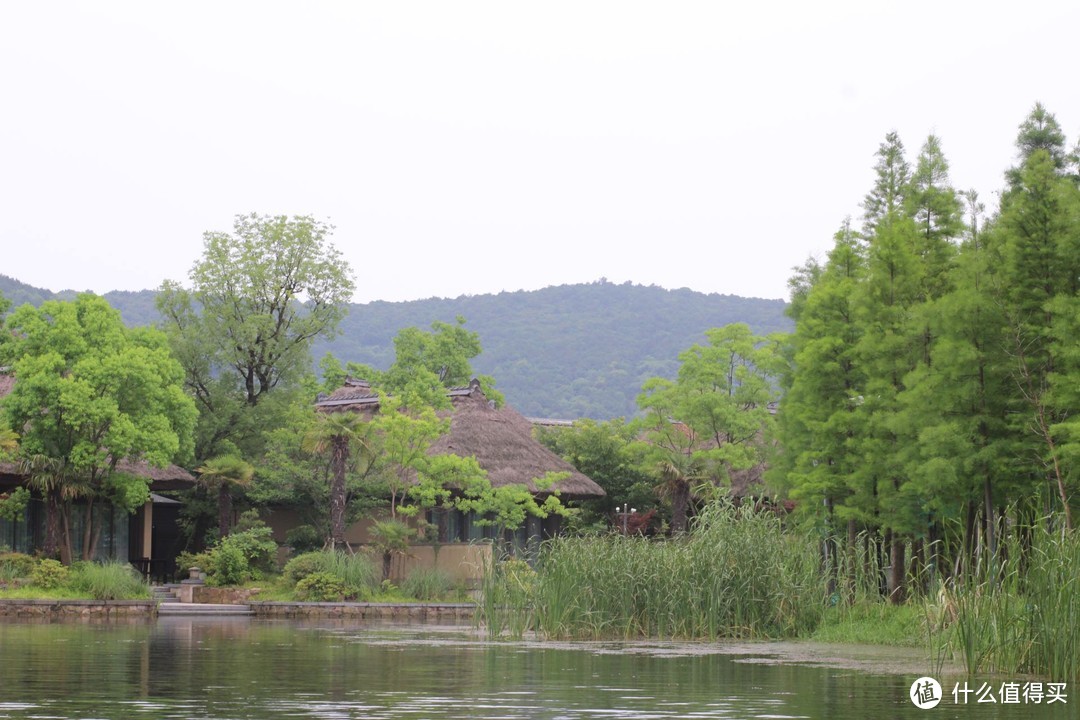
[(467, 148)]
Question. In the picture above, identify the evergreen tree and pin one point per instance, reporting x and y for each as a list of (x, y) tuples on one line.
[(884, 203)]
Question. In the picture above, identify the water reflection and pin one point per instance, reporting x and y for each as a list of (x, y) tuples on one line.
[(241, 668)]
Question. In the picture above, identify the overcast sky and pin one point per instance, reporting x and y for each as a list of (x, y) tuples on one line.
[(468, 148)]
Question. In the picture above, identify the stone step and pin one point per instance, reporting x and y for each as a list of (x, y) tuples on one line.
[(207, 609), (165, 594)]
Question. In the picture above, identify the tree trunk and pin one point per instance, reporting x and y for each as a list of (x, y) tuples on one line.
[(991, 524), (65, 540), (680, 501), (51, 546), (224, 510), (339, 461), (88, 530), (897, 591)]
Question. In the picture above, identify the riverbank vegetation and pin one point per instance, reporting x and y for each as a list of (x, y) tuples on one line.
[(24, 577)]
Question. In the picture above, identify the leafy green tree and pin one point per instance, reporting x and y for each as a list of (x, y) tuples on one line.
[(225, 474), (405, 434), (938, 214), (297, 470), (885, 202), (426, 363), (611, 455), (91, 393), (1039, 131), (819, 416), (260, 296), (715, 417), (1042, 259)]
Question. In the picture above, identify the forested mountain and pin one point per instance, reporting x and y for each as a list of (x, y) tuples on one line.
[(568, 351)]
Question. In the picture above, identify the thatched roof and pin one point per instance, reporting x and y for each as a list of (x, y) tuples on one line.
[(500, 439), (166, 478)]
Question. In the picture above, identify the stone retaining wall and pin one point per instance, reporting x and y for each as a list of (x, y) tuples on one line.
[(74, 609), (404, 612)]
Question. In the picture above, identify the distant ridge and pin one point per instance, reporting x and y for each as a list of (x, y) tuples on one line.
[(565, 351)]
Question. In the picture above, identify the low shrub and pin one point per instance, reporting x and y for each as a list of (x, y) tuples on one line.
[(229, 565), (301, 566), (15, 565), (49, 574), (356, 572), (257, 546), (305, 539), (321, 587)]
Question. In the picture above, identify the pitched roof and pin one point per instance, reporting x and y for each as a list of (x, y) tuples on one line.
[(500, 439)]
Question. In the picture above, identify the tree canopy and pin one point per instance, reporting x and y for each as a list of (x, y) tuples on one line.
[(259, 297), (90, 393)]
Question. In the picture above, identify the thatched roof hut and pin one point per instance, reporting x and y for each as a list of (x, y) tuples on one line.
[(500, 439), (166, 478)]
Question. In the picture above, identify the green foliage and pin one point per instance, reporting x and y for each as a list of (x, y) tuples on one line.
[(874, 623), (257, 546), (241, 556), (187, 560), (321, 587), (299, 567), (108, 581), (228, 566), (15, 565), (427, 584), (260, 297), (609, 454), (49, 574), (304, 539), (391, 536), (13, 503), (356, 573), (714, 419), (91, 393), (1018, 612), (737, 575)]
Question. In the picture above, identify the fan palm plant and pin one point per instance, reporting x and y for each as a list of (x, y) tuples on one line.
[(340, 433), (224, 473)]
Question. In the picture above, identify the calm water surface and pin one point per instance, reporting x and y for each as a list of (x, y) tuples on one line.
[(204, 668)]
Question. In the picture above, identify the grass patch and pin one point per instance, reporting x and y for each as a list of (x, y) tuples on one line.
[(36, 593), (874, 623)]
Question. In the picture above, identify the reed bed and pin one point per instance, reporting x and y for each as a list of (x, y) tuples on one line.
[(737, 575), (1018, 612)]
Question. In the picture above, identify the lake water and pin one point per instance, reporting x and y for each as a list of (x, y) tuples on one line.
[(206, 668)]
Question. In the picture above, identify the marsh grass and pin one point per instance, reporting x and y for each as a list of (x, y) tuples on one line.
[(738, 575), (427, 584), (1018, 612)]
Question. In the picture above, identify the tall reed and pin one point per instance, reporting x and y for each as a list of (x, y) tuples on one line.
[(738, 574), (1019, 611)]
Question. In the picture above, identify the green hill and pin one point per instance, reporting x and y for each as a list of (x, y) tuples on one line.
[(564, 352)]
